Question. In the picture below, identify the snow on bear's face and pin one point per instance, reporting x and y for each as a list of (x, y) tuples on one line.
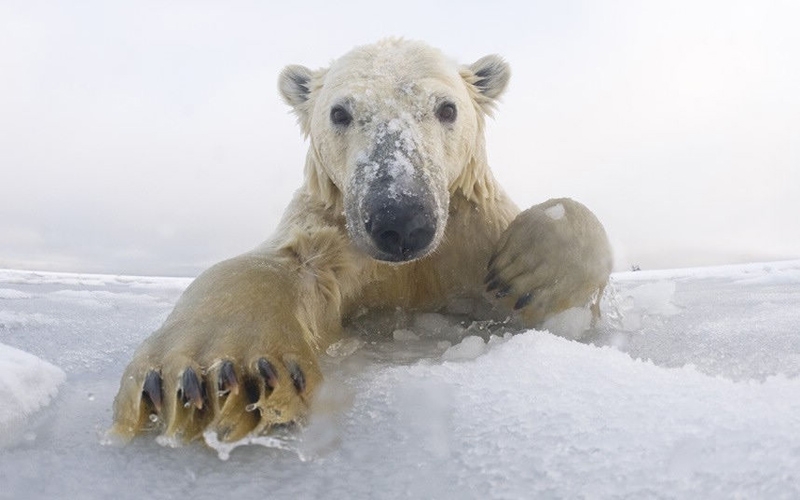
[(392, 127)]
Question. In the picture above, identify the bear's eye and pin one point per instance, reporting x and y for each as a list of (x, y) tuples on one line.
[(446, 112), (340, 116)]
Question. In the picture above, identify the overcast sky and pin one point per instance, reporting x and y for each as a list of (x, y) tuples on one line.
[(149, 138)]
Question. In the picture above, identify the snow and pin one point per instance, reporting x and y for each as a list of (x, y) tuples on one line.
[(688, 387), (556, 212)]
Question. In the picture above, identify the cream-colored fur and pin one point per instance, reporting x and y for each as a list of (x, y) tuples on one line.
[(279, 305)]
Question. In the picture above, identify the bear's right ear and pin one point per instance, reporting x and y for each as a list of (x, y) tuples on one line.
[(294, 85)]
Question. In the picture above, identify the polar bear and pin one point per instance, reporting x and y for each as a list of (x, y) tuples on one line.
[(398, 210)]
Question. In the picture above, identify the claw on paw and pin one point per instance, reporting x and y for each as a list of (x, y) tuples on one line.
[(191, 390), (268, 373), (151, 390), (523, 301), (227, 381), (298, 377), (494, 285), (503, 292)]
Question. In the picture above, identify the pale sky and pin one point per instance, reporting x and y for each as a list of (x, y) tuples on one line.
[(149, 137)]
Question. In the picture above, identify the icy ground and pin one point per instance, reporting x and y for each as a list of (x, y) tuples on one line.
[(699, 397)]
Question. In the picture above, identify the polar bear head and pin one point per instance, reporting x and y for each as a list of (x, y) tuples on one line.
[(395, 129)]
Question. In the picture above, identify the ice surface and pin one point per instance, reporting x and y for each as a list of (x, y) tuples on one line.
[(689, 387)]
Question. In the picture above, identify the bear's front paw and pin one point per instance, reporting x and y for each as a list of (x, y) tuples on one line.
[(552, 257), (182, 396)]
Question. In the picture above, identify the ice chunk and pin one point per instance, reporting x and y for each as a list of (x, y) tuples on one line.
[(344, 347), (27, 384), (495, 340), (651, 299), (404, 335), (436, 325), (572, 323), (656, 298), (469, 348)]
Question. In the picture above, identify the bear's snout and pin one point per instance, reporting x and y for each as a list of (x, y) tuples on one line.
[(401, 229)]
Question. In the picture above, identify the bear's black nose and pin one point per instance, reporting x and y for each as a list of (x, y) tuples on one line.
[(401, 229)]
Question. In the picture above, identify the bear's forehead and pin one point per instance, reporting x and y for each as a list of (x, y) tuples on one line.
[(393, 80), (393, 66)]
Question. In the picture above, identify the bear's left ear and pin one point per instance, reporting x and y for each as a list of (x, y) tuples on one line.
[(489, 77), (294, 85)]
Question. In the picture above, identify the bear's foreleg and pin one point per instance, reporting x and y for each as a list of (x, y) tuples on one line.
[(239, 352)]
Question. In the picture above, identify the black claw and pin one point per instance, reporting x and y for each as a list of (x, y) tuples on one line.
[(490, 277), (268, 372), (523, 301), (152, 389), (298, 377), (227, 379), (505, 290), (191, 389), (494, 285)]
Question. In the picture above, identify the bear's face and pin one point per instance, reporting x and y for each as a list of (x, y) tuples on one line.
[(392, 127)]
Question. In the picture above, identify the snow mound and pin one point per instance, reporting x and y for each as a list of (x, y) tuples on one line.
[(28, 384), (565, 410)]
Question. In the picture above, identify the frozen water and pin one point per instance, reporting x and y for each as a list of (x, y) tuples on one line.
[(689, 387)]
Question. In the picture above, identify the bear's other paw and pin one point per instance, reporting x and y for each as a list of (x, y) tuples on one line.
[(552, 257)]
